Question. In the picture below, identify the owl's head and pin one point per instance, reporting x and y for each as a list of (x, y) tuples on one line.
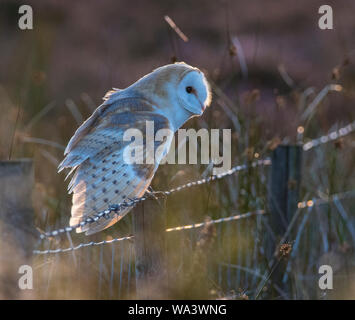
[(184, 84), (193, 91)]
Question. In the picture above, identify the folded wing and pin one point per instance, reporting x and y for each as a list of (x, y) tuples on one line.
[(96, 156)]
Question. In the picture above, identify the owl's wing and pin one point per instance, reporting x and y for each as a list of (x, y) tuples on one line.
[(95, 152)]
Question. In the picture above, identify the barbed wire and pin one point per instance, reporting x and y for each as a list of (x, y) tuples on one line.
[(326, 199), (132, 202), (332, 136), (301, 205), (225, 219), (81, 245), (191, 226)]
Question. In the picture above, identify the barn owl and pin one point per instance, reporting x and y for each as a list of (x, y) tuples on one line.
[(168, 97)]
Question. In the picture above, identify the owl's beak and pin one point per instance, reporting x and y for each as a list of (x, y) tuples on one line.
[(203, 106)]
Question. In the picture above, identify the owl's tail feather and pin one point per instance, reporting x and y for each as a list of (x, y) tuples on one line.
[(84, 207), (100, 225)]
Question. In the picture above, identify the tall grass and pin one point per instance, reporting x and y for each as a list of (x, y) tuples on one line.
[(223, 261)]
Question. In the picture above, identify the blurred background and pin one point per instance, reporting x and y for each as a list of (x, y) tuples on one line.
[(267, 62)]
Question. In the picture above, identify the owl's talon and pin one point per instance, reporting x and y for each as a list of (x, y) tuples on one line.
[(158, 194), (114, 208)]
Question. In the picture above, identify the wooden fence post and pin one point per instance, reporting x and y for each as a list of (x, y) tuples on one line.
[(283, 197), (150, 247), (17, 230)]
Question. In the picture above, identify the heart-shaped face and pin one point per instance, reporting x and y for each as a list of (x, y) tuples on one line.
[(193, 92)]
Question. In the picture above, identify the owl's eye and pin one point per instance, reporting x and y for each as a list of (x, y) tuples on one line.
[(189, 89)]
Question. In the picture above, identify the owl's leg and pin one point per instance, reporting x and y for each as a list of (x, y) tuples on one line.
[(150, 193)]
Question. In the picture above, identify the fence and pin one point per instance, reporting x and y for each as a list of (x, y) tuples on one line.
[(284, 207)]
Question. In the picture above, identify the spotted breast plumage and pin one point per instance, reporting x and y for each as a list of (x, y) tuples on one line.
[(167, 97)]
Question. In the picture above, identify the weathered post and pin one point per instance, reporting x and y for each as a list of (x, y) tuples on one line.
[(150, 247), (16, 225), (283, 197)]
